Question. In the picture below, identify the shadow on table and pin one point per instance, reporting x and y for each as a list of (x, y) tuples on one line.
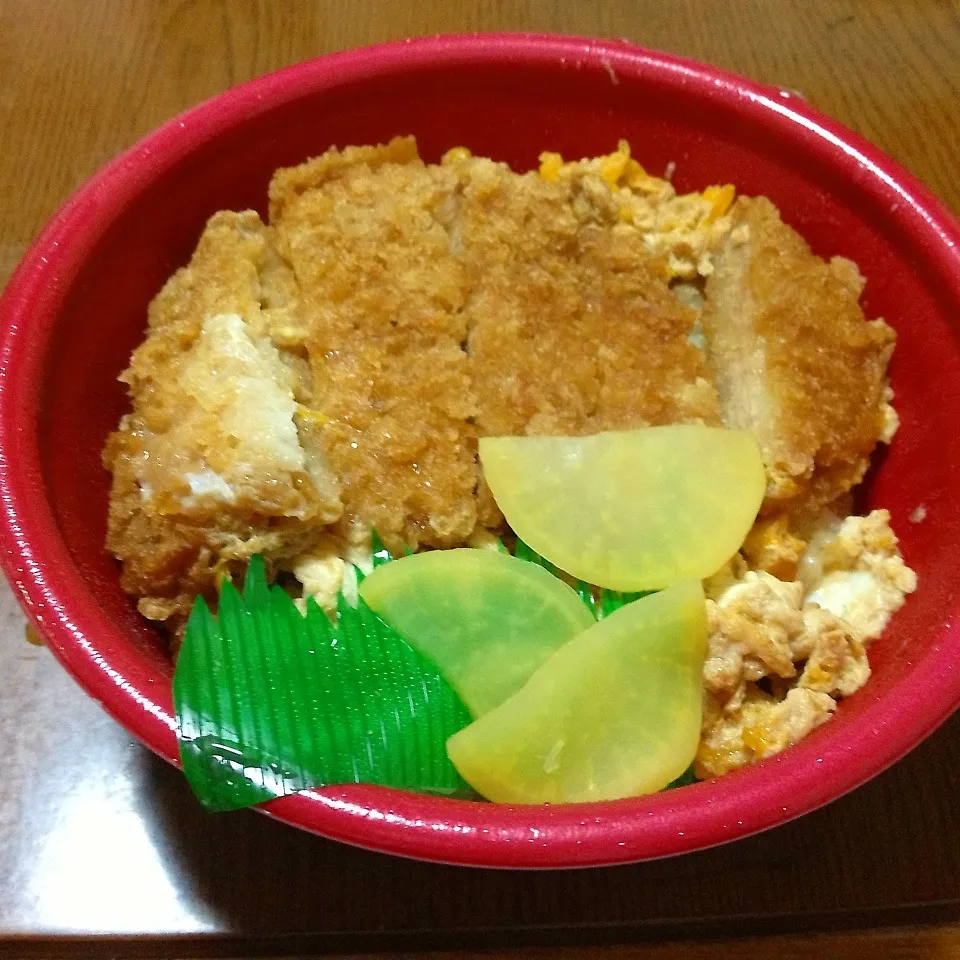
[(887, 853)]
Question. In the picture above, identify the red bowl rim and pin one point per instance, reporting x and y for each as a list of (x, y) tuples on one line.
[(53, 594)]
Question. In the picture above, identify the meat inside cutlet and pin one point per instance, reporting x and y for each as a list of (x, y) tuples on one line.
[(366, 234), (572, 326), (208, 468), (794, 359)]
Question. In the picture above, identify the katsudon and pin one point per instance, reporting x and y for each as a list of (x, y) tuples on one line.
[(326, 373)]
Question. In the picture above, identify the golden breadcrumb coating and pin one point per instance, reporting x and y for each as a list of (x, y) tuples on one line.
[(794, 360), (208, 468), (380, 292), (572, 326)]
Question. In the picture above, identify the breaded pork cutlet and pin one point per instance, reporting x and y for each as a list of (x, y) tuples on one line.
[(208, 468), (794, 359), (366, 232), (390, 313), (573, 328), (444, 303)]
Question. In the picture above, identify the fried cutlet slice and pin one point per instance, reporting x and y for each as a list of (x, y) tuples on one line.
[(573, 328), (208, 468), (366, 232), (794, 359), (569, 324)]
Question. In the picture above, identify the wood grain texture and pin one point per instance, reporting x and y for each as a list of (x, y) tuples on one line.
[(907, 944), (83, 80), (96, 836)]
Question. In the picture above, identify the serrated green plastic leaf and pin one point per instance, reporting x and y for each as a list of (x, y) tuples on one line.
[(685, 779), (270, 701), (600, 602)]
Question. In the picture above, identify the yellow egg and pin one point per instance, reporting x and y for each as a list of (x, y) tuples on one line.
[(631, 510)]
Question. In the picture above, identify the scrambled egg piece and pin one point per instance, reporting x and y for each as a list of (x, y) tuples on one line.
[(684, 228), (752, 626), (773, 547), (836, 658), (779, 655), (864, 577), (331, 565), (321, 573), (758, 728)]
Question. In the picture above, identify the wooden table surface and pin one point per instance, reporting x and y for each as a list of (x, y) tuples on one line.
[(98, 838)]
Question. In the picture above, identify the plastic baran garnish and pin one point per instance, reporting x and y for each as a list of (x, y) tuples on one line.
[(486, 619), (613, 713), (600, 602), (633, 510), (270, 701)]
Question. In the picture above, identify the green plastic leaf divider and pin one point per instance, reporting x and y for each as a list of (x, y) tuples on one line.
[(600, 601), (271, 701), (685, 779), (381, 554)]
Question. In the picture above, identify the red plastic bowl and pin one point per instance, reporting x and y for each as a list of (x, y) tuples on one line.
[(76, 307)]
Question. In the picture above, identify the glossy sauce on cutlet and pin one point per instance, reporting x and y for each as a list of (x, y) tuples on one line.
[(572, 326), (366, 233), (175, 541)]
